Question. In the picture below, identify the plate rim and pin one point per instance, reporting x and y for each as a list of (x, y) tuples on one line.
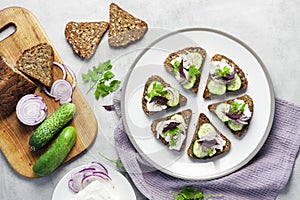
[(270, 87)]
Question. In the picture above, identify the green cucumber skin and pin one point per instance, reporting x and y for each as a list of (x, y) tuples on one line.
[(54, 123), (56, 154)]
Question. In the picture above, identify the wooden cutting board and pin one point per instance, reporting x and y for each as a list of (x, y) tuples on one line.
[(14, 136)]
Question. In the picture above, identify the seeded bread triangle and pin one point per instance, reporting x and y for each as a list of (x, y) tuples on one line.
[(37, 62), (84, 37), (172, 56), (13, 86), (124, 28), (244, 82), (182, 99), (248, 100), (187, 114), (201, 120)]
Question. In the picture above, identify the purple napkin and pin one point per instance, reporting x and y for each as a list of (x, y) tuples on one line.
[(262, 178)]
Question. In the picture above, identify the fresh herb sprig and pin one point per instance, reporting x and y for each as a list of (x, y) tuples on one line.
[(189, 193), (100, 77)]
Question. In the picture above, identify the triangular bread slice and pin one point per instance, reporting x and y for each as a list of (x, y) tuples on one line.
[(124, 28), (85, 37), (169, 67), (219, 111), (13, 86), (186, 116), (207, 126), (37, 62), (242, 81), (182, 98)]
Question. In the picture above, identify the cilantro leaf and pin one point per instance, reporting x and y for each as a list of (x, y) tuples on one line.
[(99, 77)]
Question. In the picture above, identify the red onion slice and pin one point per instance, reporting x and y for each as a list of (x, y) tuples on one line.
[(31, 109), (86, 175), (62, 91), (73, 75), (62, 67)]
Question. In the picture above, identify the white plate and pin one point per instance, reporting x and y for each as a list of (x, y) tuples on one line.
[(122, 186), (150, 62)]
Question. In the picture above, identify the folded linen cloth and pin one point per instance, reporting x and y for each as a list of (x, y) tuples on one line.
[(262, 178)]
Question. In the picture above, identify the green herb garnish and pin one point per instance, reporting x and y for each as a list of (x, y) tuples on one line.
[(237, 107), (176, 65), (157, 90), (224, 72), (193, 71), (189, 193), (100, 77)]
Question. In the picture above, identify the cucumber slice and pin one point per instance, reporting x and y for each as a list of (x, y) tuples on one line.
[(197, 150), (235, 127), (191, 82), (220, 111), (205, 129), (173, 97), (235, 84), (216, 88), (163, 135), (196, 58), (178, 118)]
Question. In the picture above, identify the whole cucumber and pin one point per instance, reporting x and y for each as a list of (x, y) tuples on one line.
[(56, 154), (54, 123)]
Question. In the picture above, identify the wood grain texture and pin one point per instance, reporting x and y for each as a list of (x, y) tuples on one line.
[(14, 135)]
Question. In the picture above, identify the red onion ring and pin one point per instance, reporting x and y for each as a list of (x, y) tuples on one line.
[(62, 67), (31, 109), (62, 91), (73, 75)]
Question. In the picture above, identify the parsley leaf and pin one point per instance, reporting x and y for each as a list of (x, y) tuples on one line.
[(157, 90), (237, 107), (224, 72), (189, 193), (100, 78), (176, 66), (193, 71)]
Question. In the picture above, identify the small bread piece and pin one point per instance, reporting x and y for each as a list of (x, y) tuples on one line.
[(84, 37), (248, 100), (37, 62), (13, 85), (124, 28), (182, 99), (187, 114), (172, 56), (239, 71), (201, 120)]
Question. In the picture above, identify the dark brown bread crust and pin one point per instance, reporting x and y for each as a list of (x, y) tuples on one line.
[(186, 116), (84, 37), (241, 74), (248, 100), (174, 55), (201, 120), (182, 99), (124, 28), (13, 85)]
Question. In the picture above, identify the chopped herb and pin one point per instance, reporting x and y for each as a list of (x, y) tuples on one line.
[(99, 77), (237, 107), (193, 71), (176, 66), (173, 131), (224, 72)]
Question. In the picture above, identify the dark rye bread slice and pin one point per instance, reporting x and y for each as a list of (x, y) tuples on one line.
[(187, 114), (201, 120), (84, 37), (124, 28), (248, 100), (13, 85), (176, 54), (37, 62), (182, 99), (239, 71)]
